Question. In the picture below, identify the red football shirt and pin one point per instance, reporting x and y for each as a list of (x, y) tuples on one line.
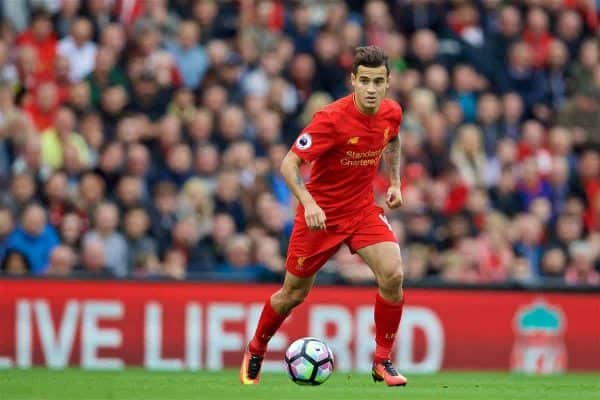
[(46, 50), (345, 147)]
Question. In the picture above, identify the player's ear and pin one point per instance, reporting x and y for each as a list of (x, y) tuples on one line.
[(352, 78)]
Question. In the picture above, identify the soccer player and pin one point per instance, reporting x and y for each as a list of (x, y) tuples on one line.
[(344, 142)]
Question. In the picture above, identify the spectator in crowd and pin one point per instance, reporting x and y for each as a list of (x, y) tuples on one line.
[(227, 197), (489, 112), (105, 73), (93, 261), (581, 270), (532, 184), (92, 129), (189, 55), (140, 246), (15, 263), (163, 213), (42, 106), (537, 35), (138, 165), (6, 227), (22, 192), (91, 191), (529, 243), (78, 99), (34, 238), (523, 76), (196, 201), (148, 97), (580, 114), (29, 159), (301, 29), (582, 69), (79, 50), (468, 154), (62, 262), (554, 263), (509, 30), (62, 134), (238, 262), (56, 197), (41, 37), (129, 193), (174, 265), (268, 255), (66, 17), (214, 244), (178, 168), (424, 50), (569, 29), (556, 74), (568, 229), (186, 238), (71, 230), (513, 107), (112, 242)]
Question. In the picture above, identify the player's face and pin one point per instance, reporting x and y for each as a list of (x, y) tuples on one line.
[(370, 85)]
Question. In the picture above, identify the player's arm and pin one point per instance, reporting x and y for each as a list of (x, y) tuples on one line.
[(391, 159), (290, 170)]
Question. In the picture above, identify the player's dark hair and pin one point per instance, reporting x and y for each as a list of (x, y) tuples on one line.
[(371, 57)]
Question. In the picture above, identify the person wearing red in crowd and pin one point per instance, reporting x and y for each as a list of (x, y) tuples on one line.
[(41, 37), (43, 105), (344, 142)]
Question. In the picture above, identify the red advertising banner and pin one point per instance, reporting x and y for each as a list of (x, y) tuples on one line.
[(174, 326)]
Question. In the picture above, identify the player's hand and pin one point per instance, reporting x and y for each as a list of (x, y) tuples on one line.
[(314, 216), (393, 199)]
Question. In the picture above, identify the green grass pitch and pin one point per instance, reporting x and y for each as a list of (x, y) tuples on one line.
[(140, 384)]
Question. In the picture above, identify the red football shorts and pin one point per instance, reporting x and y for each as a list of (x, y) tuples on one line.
[(309, 249)]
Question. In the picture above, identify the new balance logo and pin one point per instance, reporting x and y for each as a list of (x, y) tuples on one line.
[(353, 140)]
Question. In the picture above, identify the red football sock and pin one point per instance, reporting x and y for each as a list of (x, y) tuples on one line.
[(268, 324), (387, 320)]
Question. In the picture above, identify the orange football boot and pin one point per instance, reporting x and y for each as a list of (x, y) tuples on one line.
[(385, 371), (250, 369)]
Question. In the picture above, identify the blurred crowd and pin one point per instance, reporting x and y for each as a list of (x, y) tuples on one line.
[(143, 138)]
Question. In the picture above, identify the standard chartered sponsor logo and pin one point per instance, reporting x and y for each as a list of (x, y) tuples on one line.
[(361, 159), (358, 163), (364, 154)]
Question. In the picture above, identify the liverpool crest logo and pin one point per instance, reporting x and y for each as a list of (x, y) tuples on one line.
[(539, 347)]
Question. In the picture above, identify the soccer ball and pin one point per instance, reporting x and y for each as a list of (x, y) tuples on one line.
[(309, 361)]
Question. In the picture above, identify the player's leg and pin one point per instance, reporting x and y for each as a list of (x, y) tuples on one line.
[(376, 243), (307, 252), (292, 293), (276, 309), (385, 261)]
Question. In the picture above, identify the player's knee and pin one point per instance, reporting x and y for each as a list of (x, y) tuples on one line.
[(390, 285), (394, 275), (295, 297), (394, 279)]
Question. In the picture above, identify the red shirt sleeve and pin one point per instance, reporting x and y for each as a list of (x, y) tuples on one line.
[(316, 139), (397, 119)]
